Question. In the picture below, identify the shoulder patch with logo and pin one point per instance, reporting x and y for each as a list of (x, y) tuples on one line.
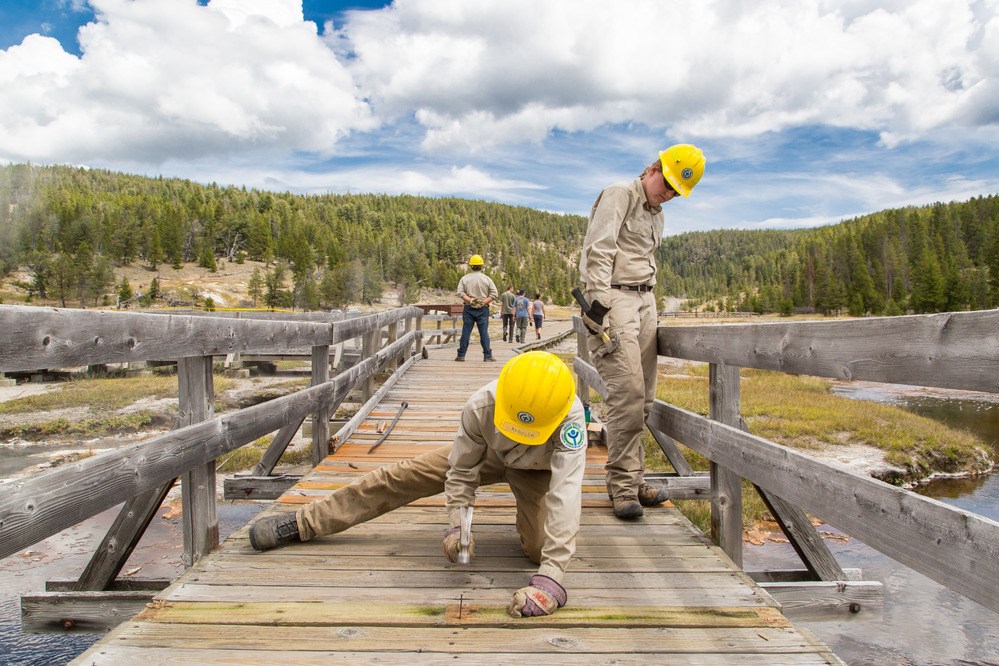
[(572, 436)]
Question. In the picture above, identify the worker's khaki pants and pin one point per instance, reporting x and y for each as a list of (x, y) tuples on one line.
[(630, 376), (396, 485)]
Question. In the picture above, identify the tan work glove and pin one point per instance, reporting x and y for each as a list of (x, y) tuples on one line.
[(452, 544), (542, 597), (476, 303)]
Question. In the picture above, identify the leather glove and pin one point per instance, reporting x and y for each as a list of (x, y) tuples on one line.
[(542, 597), (476, 303), (452, 544), (593, 318)]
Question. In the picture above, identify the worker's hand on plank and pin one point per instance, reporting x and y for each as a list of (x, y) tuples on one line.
[(452, 544), (542, 597)]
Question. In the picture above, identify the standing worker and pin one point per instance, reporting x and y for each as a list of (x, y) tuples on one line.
[(618, 271), (506, 312), (477, 290), (538, 312), (527, 429), (521, 307)]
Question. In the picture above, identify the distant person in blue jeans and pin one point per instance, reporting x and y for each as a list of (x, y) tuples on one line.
[(521, 307), (477, 290)]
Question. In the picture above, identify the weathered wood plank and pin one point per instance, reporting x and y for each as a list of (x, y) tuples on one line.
[(954, 547), (200, 520), (452, 613), (126, 656), (321, 417), (951, 350), (79, 611), (726, 484), (258, 487), (586, 640), (57, 337), (824, 601)]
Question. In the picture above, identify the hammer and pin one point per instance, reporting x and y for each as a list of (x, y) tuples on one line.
[(465, 537), (609, 343)]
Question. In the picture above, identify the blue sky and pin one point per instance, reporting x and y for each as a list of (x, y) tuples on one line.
[(809, 111)]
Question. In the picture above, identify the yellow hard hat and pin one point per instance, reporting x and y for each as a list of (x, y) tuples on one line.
[(476, 260), (683, 166), (534, 393)]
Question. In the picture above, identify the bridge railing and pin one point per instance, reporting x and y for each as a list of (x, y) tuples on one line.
[(954, 547), (141, 474)]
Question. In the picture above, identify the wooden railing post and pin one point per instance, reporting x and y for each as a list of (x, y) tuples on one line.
[(321, 419), (583, 352), (726, 485), (393, 335), (418, 346), (369, 345), (197, 394)]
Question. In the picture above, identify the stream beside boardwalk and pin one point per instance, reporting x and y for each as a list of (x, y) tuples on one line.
[(924, 622)]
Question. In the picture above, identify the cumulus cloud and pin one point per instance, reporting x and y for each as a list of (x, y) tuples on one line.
[(485, 73), (161, 79)]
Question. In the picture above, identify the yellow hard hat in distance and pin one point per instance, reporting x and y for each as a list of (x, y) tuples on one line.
[(534, 393), (476, 260), (683, 166)]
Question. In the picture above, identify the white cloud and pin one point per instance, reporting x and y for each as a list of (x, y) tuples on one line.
[(161, 79), (488, 72)]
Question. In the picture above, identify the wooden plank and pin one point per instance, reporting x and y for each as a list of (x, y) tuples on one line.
[(79, 611), (57, 337), (122, 537), (672, 453), (453, 612), (957, 350), (586, 640), (827, 601), (348, 429), (380, 597), (803, 537), (277, 447), (116, 654), (726, 484), (258, 487), (321, 417), (956, 548), (199, 518)]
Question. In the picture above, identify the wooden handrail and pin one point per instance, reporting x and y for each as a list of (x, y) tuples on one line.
[(958, 350), (40, 505), (38, 338)]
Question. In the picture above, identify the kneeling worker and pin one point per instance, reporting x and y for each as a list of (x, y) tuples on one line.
[(527, 429)]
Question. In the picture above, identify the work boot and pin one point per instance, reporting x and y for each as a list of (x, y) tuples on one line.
[(273, 531), (489, 360), (626, 507), (459, 358), (650, 495), (504, 337)]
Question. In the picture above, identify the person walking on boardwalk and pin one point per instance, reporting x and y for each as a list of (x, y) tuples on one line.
[(526, 428), (538, 313), (507, 313), (522, 308), (618, 272), (477, 290)]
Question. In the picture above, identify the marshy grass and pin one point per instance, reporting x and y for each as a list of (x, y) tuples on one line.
[(803, 413), (247, 457), (97, 427), (102, 395)]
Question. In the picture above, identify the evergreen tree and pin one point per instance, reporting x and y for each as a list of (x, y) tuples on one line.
[(255, 286)]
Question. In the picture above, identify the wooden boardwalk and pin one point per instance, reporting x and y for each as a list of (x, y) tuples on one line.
[(650, 591)]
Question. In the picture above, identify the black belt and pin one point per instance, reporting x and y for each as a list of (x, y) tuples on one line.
[(632, 287)]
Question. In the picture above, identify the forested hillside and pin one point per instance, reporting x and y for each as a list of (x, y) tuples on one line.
[(938, 258), (70, 227)]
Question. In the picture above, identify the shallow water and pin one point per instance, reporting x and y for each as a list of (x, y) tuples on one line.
[(924, 622)]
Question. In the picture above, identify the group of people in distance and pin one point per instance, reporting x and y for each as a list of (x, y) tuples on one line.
[(527, 427)]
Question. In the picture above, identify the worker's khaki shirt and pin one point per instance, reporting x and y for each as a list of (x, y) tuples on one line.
[(622, 236), (476, 284), (477, 437)]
